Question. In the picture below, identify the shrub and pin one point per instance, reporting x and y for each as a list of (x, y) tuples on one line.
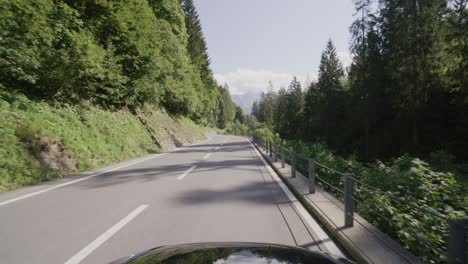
[(406, 197)]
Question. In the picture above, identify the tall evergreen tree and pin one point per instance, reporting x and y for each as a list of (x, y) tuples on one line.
[(196, 44), (281, 119), (330, 76), (295, 109), (312, 111), (198, 51), (269, 105), (414, 37)]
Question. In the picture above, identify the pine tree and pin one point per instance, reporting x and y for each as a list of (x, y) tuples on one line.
[(254, 109), (269, 105), (366, 75), (412, 32), (196, 44), (329, 84), (312, 110), (295, 109), (239, 116), (280, 112), (198, 51)]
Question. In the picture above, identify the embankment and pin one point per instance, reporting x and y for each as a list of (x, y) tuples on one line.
[(40, 141)]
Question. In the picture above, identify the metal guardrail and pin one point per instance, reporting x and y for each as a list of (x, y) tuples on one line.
[(457, 228)]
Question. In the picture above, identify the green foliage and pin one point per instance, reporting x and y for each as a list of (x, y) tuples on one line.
[(266, 105), (406, 198), (295, 108), (236, 128), (405, 91), (239, 116), (414, 207), (94, 136), (112, 53), (227, 108)]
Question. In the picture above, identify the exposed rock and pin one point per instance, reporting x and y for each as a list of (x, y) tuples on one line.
[(53, 155), (168, 131)]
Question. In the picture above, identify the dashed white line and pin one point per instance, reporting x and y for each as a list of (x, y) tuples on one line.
[(186, 172), (207, 155), (82, 254), (75, 181)]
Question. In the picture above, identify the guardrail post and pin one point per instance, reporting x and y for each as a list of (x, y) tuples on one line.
[(271, 149), (293, 164), (349, 204), (311, 176), (457, 246), (275, 152), (282, 158)]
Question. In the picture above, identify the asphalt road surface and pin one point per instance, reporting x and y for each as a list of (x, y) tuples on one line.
[(219, 190)]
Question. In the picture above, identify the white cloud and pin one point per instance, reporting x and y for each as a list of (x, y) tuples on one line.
[(256, 80)]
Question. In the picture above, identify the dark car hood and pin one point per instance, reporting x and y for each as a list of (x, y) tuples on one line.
[(230, 253)]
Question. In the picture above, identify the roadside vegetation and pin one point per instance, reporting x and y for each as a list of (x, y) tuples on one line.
[(405, 197), (406, 90), (86, 83), (396, 118), (42, 141)]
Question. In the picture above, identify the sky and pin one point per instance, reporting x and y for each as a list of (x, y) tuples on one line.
[(251, 42)]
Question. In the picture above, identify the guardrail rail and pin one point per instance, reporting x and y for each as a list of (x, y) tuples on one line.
[(349, 189)]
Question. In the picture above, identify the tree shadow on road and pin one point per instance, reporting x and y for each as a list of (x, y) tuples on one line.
[(259, 192), (149, 173)]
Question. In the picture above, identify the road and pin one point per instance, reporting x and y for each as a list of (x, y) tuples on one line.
[(217, 190)]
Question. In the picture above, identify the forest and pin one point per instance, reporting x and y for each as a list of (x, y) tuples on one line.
[(87, 83), (397, 118), (406, 90), (112, 54)]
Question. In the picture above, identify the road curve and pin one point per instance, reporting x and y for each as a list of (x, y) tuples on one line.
[(217, 191)]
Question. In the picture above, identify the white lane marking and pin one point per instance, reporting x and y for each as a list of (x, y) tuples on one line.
[(75, 181), (82, 254), (187, 172), (207, 155), (331, 247)]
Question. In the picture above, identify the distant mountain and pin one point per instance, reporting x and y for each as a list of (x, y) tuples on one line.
[(246, 100)]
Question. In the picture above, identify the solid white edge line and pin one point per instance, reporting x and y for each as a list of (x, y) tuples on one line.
[(207, 155), (82, 254), (93, 175), (77, 180), (186, 172), (329, 244)]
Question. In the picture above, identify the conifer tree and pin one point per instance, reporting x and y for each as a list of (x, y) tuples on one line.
[(329, 84)]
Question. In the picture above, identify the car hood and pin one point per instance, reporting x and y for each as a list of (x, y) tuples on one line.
[(231, 253)]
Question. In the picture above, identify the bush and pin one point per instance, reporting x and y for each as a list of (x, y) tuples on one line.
[(406, 198), (236, 128)]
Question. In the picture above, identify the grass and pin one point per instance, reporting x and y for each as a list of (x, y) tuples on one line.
[(95, 136), (171, 130)]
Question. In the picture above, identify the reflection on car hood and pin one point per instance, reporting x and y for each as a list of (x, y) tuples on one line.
[(231, 253)]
